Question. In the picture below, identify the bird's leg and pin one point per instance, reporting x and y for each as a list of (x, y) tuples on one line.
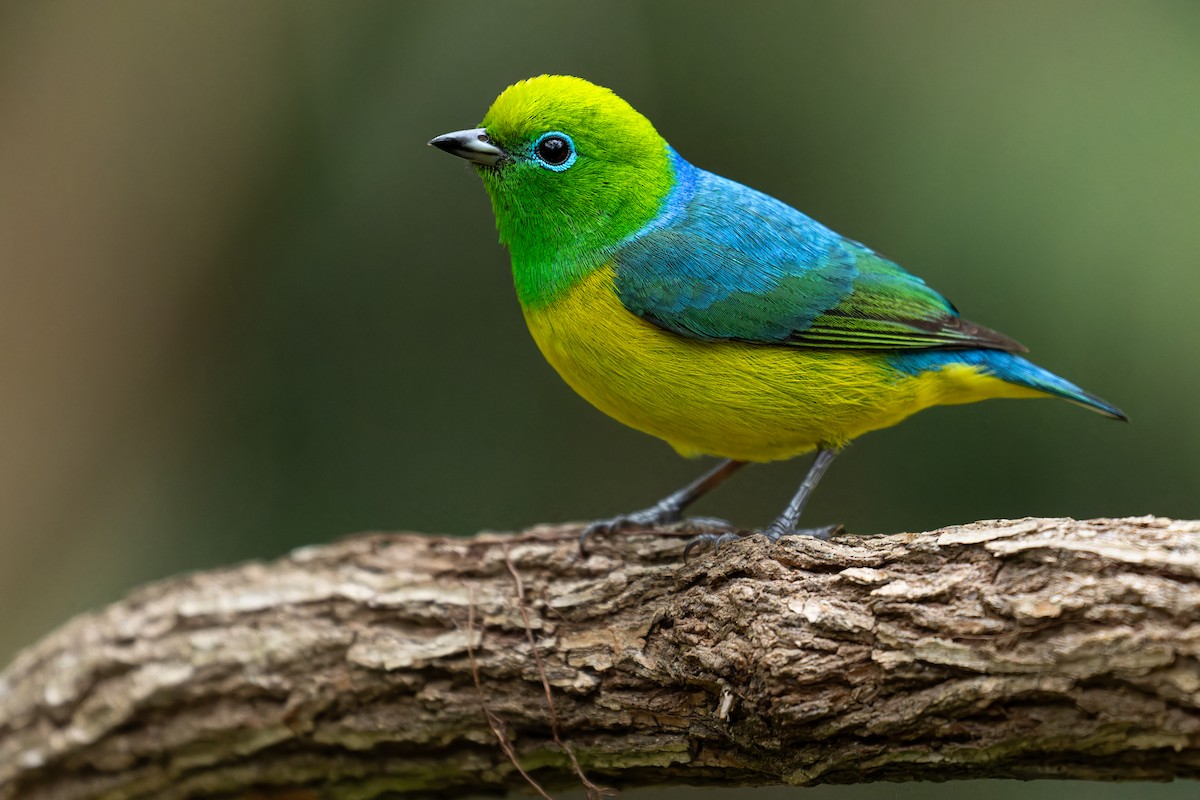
[(669, 509), (785, 525)]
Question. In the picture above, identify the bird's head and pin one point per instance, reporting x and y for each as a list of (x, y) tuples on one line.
[(569, 166)]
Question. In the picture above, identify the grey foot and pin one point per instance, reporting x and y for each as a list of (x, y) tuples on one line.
[(658, 514), (776, 531), (773, 532), (714, 539), (655, 516), (705, 526)]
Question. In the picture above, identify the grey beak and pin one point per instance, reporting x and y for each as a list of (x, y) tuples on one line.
[(473, 145)]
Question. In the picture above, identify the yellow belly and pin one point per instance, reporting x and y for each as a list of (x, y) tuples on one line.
[(737, 400)]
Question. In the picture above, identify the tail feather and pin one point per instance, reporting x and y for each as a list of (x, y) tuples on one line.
[(1014, 369)]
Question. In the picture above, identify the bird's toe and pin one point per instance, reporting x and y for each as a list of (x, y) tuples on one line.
[(646, 518), (703, 525), (775, 531), (714, 539)]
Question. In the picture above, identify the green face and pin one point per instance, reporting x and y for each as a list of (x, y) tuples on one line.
[(581, 170)]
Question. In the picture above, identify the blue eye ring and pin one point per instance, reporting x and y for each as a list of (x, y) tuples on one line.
[(554, 150)]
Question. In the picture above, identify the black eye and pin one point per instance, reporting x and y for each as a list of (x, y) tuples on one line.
[(554, 150)]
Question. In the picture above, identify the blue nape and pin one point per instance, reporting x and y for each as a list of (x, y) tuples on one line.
[(724, 261)]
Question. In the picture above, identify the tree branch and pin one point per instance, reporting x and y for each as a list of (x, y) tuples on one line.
[(425, 666)]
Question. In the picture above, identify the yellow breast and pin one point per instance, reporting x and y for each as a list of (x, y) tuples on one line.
[(749, 402)]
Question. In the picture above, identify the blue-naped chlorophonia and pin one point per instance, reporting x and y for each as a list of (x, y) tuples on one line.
[(711, 315)]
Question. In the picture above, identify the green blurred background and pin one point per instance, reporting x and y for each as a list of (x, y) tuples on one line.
[(243, 307)]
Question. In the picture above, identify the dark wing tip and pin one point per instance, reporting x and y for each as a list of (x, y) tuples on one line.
[(977, 335)]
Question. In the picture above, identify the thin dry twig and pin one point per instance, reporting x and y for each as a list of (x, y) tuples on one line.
[(512, 570), (494, 722), (593, 791)]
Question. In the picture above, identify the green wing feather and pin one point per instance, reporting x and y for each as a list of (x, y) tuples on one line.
[(725, 262)]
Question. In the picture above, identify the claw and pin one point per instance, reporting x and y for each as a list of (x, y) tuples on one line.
[(715, 539), (712, 527), (774, 532), (700, 525), (646, 518), (599, 526), (669, 509)]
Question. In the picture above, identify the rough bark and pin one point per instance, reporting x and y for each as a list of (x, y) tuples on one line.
[(422, 666)]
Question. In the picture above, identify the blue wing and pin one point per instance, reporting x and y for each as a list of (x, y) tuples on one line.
[(725, 262)]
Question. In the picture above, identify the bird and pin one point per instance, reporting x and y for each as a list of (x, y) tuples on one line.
[(708, 314)]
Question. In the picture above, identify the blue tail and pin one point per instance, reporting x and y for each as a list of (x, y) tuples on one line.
[(1008, 367)]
